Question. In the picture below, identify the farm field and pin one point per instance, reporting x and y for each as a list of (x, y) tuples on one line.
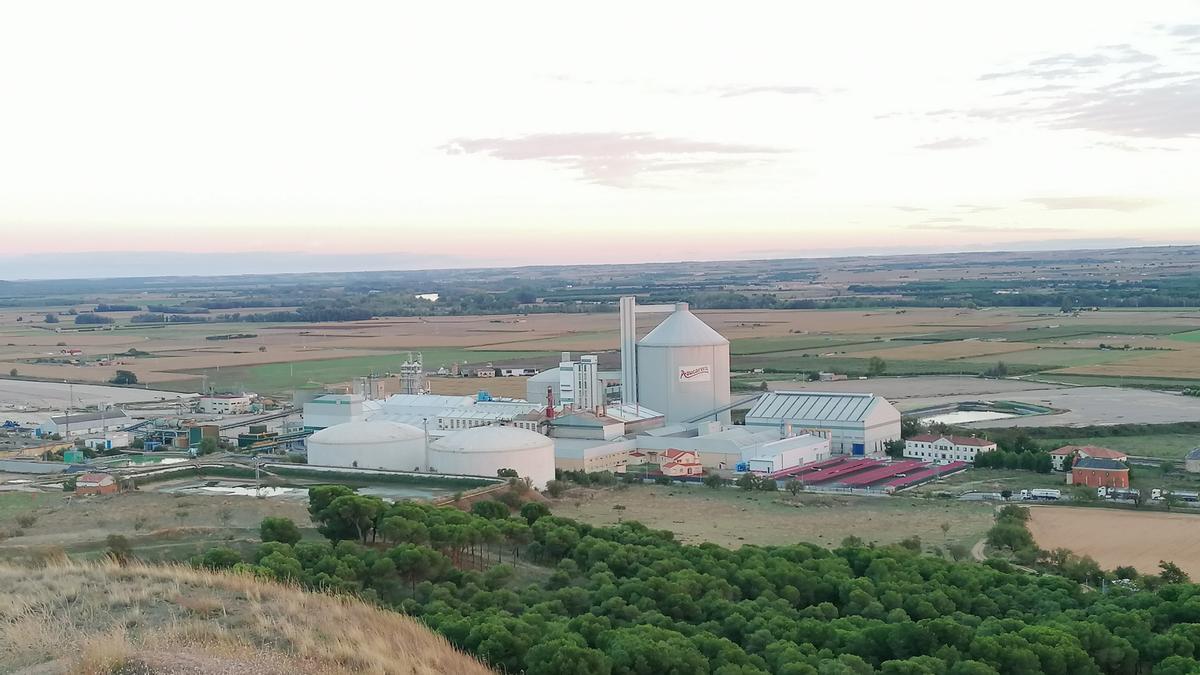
[(281, 377), (732, 517), (1116, 538), (992, 480), (1163, 446), (273, 358)]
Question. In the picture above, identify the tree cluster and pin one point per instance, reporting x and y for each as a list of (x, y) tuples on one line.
[(546, 595)]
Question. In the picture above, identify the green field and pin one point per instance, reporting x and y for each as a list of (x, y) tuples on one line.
[(993, 480), (281, 377), (1163, 446), (1114, 380), (1190, 336), (772, 345), (1038, 333), (855, 366), (1062, 358)]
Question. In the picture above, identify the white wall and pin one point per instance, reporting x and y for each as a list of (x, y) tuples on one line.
[(660, 388), (537, 463), (407, 455)]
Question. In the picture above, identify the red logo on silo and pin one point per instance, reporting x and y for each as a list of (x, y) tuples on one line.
[(695, 374)]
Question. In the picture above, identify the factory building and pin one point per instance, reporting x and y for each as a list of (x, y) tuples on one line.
[(84, 423), (683, 369), (369, 445), (225, 404), (855, 424), (552, 380), (483, 451), (334, 409), (787, 453)]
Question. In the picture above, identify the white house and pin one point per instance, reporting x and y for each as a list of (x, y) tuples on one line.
[(945, 449)]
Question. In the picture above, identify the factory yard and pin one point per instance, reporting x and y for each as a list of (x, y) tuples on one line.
[(1116, 538), (732, 517)]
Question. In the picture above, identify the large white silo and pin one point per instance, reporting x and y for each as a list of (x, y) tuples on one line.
[(369, 445), (482, 451), (683, 369)]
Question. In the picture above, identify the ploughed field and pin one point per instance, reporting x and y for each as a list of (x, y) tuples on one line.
[(1116, 538)]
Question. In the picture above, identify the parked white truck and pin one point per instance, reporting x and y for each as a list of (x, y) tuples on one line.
[(1041, 494)]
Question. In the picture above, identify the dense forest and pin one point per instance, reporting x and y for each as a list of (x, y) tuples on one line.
[(544, 595)]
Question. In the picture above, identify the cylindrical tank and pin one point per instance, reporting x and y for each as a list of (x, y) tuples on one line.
[(482, 451), (683, 368), (369, 445)]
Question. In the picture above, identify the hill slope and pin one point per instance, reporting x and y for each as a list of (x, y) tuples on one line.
[(105, 618)]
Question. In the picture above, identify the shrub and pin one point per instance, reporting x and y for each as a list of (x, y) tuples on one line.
[(26, 520), (279, 529)]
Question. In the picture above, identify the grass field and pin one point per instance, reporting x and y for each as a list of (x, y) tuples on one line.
[(854, 365), (1190, 336), (799, 343), (1060, 357), (732, 517), (159, 526), (1164, 446), (992, 480), (281, 377)]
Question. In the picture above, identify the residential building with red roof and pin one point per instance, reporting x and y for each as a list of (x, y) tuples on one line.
[(944, 449), (95, 484), (1066, 456)]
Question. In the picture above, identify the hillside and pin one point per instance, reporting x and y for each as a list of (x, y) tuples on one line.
[(145, 620)]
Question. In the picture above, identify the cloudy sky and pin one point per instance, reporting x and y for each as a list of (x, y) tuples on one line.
[(391, 135)]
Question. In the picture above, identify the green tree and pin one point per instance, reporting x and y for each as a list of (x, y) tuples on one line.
[(747, 481), (566, 657), (279, 529), (208, 445), (714, 481), (793, 486), (556, 488), (532, 511), (876, 366), (490, 509), (13, 373), (1171, 573), (124, 377), (219, 558), (895, 448), (51, 317)]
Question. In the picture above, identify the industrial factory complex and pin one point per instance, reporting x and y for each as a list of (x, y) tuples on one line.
[(666, 412)]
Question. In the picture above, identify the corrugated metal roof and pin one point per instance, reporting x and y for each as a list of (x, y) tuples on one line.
[(114, 416), (815, 406), (1194, 454)]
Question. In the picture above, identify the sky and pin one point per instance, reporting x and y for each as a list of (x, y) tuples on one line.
[(388, 135)]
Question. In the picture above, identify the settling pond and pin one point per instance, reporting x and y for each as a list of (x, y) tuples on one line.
[(240, 487)]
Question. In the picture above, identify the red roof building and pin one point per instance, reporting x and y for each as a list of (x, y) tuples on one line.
[(95, 484), (1063, 458)]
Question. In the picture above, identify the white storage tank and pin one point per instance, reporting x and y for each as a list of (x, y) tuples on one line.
[(369, 445), (482, 451), (683, 369)]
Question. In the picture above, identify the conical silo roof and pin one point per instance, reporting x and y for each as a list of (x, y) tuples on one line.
[(682, 329)]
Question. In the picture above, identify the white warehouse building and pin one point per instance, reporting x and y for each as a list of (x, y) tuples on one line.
[(482, 451), (683, 369), (369, 445), (855, 424)]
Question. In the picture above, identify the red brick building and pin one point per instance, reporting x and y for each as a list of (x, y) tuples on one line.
[(1095, 472)]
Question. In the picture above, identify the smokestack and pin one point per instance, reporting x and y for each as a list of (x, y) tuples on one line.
[(549, 403)]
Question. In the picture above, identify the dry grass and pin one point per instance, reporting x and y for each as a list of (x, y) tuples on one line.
[(104, 618)]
